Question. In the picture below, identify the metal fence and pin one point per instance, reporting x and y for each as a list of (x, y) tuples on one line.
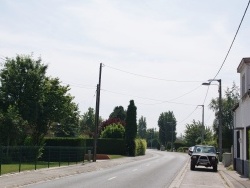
[(19, 158)]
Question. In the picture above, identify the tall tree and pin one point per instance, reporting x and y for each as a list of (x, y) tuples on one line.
[(193, 134), (230, 99), (118, 112), (142, 127), (131, 127), (167, 128), (40, 100), (87, 122)]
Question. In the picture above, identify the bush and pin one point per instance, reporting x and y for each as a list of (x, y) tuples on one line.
[(113, 131), (140, 147)]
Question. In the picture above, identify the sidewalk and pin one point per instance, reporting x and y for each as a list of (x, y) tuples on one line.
[(232, 178), (204, 177), (34, 176)]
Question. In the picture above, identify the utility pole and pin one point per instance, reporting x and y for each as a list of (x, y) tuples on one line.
[(220, 121), (97, 112), (202, 128)]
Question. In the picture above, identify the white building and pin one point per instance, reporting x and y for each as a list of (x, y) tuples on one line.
[(242, 121)]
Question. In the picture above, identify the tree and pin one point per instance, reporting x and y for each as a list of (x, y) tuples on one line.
[(40, 100), (142, 127), (87, 122), (228, 102), (12, 127), (118, 112), (167, 128), (152, 137), (131, 127), (193, 134), (113, 131), (111, 121)]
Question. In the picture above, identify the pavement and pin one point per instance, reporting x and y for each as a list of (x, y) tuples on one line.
[(200, 178), (205, 178), (233, 178)]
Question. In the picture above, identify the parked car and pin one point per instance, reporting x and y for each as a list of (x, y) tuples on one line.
[(204, 155), (190, 150)]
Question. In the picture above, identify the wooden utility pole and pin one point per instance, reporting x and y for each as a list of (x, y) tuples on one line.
[(97, 112)]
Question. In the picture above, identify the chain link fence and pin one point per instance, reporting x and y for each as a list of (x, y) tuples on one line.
[(19, 158)]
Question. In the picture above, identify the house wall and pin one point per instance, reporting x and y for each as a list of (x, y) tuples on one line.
[(242, 121)]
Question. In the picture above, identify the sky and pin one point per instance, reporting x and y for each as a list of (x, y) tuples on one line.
[(157, 53)]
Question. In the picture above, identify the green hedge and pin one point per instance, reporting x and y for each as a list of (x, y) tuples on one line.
[(111, 146), (70, 142), (104, 145), (140, 147)]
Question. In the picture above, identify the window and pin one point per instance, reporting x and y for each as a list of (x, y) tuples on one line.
[(238, 143)]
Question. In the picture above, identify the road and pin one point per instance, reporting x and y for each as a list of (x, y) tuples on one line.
[(157, 171)]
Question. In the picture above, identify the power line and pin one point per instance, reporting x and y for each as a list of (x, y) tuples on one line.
[(149, 77), (189, 115), (159, 101), (229, 49), (233, 40)]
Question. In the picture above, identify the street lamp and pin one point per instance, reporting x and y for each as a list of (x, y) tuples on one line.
[(220, 115), (203, 128)]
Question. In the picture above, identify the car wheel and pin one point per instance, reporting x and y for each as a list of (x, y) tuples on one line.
[(215, 168), (192, 166)]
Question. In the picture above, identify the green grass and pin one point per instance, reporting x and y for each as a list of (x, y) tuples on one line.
[(115, 156), (12, 168)]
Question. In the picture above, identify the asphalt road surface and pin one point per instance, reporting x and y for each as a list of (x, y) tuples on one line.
[(157, 171)]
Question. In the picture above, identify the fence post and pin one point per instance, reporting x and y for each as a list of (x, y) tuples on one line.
[(20, 157), (59, 156), (49, 154), (1, 155), (36, 153)]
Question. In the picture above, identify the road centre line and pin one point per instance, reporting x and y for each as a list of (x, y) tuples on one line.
[(112, 178)]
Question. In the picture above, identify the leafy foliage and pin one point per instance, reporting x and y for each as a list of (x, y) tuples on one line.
[(111, 121), (228, 102), (167, 128), (193, 134), (113, 131), (142, 127), (131, 128), (119, 113), (87, 123), (38, 99), (12, 127)]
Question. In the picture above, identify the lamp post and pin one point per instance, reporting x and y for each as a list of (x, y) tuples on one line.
[(202, 128), (220, 115)]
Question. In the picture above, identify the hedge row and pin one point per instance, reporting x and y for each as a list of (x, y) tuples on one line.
[(140, 147), (104, 145)]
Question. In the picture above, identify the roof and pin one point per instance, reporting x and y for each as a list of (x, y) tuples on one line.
[(245, 60)]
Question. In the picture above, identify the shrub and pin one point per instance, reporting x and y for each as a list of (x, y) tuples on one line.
[(140, 147), (113, 131)]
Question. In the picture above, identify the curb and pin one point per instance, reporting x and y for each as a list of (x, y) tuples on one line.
[(180, 176), (224, 177)]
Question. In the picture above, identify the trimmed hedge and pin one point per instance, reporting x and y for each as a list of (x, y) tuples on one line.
[(140, 147), (111, 146), (104, 145)]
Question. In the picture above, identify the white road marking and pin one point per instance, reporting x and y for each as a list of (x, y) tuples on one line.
[(112, 178)]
